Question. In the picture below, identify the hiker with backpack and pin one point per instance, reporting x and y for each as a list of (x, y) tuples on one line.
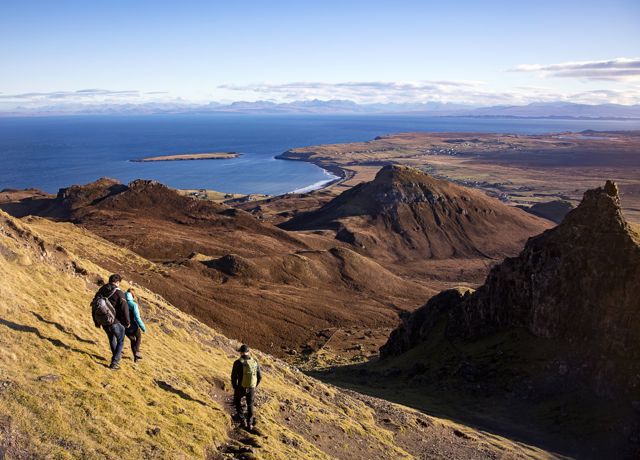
[(134, 332), (110, 311), (245, 377)]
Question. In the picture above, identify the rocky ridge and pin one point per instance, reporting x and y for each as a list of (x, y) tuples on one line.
[(564, 312)]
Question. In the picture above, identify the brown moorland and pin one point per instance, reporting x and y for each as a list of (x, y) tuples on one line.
[(282, 290), (256, 282)]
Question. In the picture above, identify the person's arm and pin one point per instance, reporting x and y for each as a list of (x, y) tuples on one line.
[(133, 306), (235, 374), (259, 375)]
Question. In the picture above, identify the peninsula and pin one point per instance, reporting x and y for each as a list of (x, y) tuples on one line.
[(191, 156)]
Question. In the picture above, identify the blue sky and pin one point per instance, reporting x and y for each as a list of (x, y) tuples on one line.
[(368, 51)]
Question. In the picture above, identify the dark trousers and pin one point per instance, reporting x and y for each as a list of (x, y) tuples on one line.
[(135, 336), (248, 394), (115, 332)]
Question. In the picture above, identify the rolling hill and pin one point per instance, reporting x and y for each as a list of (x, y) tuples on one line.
[(406, 215), (256, 282)]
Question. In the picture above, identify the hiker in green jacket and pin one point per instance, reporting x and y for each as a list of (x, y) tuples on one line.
[(245, 377)]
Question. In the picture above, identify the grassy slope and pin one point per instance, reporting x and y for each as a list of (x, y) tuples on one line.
[(59, 400)]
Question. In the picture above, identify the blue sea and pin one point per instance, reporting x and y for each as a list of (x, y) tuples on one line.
[(54, 152)]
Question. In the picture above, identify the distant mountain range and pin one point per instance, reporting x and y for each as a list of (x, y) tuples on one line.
[(533, 110)]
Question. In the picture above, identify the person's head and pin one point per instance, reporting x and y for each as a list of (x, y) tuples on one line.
[(115, 279), (132, 292), (244, 350)]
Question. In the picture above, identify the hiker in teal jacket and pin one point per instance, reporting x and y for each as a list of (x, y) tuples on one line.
[(137, 325)]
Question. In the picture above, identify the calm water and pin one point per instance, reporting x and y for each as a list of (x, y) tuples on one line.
[(49, 153)]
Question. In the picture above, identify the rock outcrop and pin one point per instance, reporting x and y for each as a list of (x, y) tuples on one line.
[(405, 214), (566, 308), (418, 326), (78, 196)]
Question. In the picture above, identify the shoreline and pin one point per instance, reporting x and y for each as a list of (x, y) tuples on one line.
[(341, 174)]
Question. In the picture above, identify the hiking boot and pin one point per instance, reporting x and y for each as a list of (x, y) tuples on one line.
[(137, 358), (114, 366)]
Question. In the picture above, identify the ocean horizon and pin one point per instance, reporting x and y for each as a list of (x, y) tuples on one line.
[(49, 153)]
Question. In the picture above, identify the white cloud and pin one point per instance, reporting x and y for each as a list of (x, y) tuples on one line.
[(457, 92), (473, 93), (619, 69), (362, 92), (81, 94)]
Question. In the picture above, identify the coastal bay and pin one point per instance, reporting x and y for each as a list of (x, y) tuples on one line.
[(53, 152)]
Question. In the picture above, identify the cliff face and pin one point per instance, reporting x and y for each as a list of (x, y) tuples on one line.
[(566, 309), (577, 282), (405, 214), (569, 282)]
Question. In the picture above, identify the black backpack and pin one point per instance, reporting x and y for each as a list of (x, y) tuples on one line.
[(104, 314)]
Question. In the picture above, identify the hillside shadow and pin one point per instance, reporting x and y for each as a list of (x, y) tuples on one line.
[(62, 329), (495, 416), (30, 206), (171, 389), (55, 342)]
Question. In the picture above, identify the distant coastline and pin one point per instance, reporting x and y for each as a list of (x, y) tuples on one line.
[(190, 156), (84, 146)]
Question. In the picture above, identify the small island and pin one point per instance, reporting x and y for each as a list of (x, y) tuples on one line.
[(191, 156)]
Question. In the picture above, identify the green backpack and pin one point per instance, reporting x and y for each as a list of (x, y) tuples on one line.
[(249, 373)]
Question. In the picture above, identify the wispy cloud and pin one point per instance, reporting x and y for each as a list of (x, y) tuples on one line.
[(456, 92), (469, 93), (614, 69), (78, 95)]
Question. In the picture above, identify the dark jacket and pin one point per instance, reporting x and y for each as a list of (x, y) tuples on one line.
[(118, 301), (237, 371)]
